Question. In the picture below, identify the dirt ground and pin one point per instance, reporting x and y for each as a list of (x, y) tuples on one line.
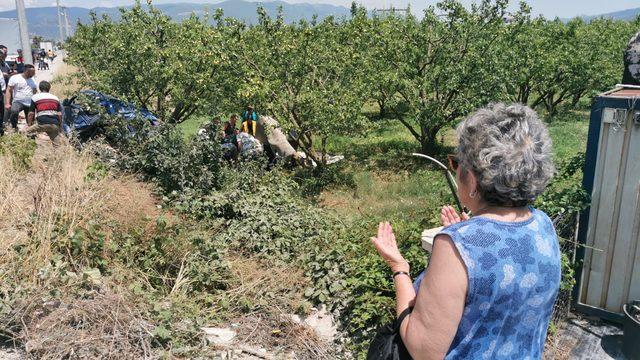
[(588, 339)]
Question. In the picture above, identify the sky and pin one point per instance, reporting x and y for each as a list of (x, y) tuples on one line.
[(548, 8)]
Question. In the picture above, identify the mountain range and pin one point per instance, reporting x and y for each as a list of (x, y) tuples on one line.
[(43, 21)]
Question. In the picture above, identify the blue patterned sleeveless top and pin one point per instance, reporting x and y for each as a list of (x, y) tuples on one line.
[(514, 277)]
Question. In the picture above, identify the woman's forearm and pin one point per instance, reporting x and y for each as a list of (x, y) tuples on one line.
[(405, 293)]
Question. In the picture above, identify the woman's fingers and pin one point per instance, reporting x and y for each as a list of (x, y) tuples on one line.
[(449, 216), (444, 217), (454, 214)]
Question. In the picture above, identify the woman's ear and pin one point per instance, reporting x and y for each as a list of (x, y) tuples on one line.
[(471, 181)]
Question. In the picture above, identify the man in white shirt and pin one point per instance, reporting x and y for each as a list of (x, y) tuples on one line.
[(21, 87)]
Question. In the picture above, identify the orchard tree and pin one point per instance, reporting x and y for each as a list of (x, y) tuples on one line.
[(170, 68), (548, 63), (441, 67), (308, 75)]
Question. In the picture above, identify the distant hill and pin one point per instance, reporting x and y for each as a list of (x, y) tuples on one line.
[(43, 21), (626, 15)]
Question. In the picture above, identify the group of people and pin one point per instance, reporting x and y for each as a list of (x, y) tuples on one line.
[(20, 94), (240, 141), (42, 56)]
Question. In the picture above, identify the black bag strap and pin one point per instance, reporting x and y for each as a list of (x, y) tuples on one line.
[(401, 317)]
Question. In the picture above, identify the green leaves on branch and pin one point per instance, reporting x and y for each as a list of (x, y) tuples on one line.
[(171, 68), (315, 76)]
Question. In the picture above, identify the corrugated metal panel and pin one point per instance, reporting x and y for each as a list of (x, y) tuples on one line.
[(611, 271)]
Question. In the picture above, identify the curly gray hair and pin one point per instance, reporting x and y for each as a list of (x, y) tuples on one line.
[(509, 151)]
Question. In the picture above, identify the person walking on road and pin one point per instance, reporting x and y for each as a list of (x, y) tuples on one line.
[(19, 62), (21, 87), (5, 69), (45, 114)]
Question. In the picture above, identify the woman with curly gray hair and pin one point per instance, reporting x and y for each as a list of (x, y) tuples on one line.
[(492, 279)]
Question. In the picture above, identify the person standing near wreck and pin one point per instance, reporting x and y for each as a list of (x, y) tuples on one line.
[(45, 114), (20, 89), (492, 279), (249, 121)]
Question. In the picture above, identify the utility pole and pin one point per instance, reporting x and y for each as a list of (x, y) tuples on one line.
[(392, 10), (60, 21), (24, 32), (67, 26)]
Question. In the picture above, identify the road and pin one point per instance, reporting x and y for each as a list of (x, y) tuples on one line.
[(48, 75)]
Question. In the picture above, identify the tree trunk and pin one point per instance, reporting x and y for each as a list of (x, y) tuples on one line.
[(429, 142), (576, 98), (550, 105), (382, 104)]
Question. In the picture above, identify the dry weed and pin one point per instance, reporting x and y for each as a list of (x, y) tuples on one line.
[(33, 205), (267, 295), (258, 283), (65, 83), (54, 192), (103, 326)]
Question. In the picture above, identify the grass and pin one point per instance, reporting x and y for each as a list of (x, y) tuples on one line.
[(390, 184), (191, 126), (568, 132)]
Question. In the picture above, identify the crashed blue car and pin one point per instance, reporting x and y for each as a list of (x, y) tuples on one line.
[(82, 118)]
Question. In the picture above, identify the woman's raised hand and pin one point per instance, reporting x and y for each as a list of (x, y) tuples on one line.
[(449, 216), (387, 247)]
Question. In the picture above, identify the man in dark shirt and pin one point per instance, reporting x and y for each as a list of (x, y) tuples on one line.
[(46, 114), (4, 80)]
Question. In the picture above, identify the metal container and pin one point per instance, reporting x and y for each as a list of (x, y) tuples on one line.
[(610, 273)]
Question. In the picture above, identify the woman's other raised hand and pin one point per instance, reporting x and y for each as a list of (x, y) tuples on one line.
[(449, 216)]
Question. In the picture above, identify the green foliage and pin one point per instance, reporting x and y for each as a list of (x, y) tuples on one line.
[(309, 76), (96, 171), (553, 61), (162, 154), (142, 59), (438, 68), (565, 194), (176, 252), (19, 148), (317, 77)]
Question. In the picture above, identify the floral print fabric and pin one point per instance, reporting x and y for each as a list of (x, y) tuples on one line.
[(514, 277)]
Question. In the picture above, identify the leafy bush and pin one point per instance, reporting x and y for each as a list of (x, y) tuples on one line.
[(565, 193), (162, 154), (19, 148)]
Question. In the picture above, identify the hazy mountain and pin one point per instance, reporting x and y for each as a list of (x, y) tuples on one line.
[(43, 21), (627, 15)]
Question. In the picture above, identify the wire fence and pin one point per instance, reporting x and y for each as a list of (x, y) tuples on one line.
[(566, 227)]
